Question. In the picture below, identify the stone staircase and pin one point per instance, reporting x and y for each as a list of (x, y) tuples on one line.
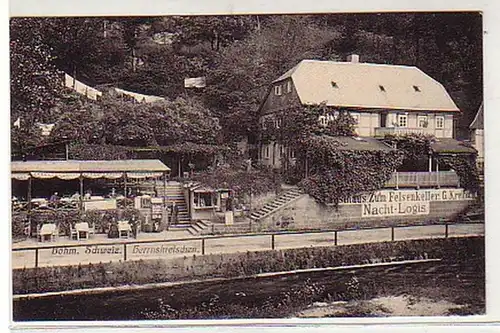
[(197, 227), (175, 193), (288, 196)]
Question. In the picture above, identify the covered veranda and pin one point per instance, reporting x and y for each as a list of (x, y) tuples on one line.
[(126, 171)]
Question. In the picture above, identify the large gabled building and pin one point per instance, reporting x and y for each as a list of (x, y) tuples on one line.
[(383, 99)]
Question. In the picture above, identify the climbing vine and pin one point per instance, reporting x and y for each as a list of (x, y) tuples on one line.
[(298, 123), (413, 146), (337, 173), (466, 169)]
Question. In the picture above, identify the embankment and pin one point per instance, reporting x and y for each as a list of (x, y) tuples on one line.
[(50, 279)]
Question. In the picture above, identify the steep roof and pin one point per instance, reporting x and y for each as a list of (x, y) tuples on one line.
[(365, 85), (478, 122), (357, 143), (449, 145)]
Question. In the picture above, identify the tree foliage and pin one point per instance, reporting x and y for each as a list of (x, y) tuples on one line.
[(466, 168), (239, 55), (123, 123), (35, 82), (244, 70), (242, 181)]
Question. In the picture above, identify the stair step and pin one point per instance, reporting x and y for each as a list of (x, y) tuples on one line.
[(206, 224), (180, 226), (197, 227), (281, 201)]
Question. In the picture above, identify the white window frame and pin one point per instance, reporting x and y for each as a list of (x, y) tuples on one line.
[(289, 86), (439, 122), (277, 123), (323, 120), (405, 117), (425, 119), (278, 90), (292, 153), (266, 152)]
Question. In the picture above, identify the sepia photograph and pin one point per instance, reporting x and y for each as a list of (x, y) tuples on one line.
[(256, 166)]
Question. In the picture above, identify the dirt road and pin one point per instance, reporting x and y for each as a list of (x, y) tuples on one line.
[(90, 251)]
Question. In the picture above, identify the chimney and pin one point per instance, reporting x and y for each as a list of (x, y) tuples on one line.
[(354, 58)]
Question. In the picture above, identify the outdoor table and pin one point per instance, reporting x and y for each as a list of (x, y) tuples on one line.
[(124, 226), (48, 229), (82, 227), (39, 201)]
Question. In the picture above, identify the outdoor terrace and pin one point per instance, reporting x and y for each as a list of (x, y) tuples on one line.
[(383, 131), (424, 179)]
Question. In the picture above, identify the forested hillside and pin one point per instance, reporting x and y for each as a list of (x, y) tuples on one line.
[(238, 55)]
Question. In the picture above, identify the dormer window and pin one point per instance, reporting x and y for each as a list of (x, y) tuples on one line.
[(381, 88), (334, 84), (277, 90), (289, 86), (416, 88)]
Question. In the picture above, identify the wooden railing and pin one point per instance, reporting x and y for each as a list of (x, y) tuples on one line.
[(423, 179), (382, 131)]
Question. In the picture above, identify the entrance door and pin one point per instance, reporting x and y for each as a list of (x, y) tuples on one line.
[(383, 119)]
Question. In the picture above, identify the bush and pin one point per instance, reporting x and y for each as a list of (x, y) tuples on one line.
[(19, 224)]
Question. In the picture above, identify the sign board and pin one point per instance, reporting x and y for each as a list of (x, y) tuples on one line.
[(229, 218), (404, 202), (394, 196), (100, 204), (195, 82), (156, 208), (395, 208)]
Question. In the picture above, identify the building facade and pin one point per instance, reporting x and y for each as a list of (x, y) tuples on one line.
[(383, 99), (477, 135)]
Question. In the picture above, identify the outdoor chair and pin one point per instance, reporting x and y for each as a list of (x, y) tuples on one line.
[(73, 234), (50, 230), (124, 229), (91, 230)]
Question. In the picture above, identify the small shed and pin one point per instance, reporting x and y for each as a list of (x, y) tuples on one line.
[(202, 202)]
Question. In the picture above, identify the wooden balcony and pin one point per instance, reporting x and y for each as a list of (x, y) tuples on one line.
[(423, 179), (382, 131)]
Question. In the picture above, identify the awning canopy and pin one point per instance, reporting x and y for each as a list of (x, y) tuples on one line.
[(73, 169), (451, 146)]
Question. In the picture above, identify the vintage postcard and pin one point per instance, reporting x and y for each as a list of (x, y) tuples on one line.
[(253, 166)]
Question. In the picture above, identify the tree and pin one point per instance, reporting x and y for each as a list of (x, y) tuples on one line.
[(79, 121), (75, 42), (35, 82), (243, 71)]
